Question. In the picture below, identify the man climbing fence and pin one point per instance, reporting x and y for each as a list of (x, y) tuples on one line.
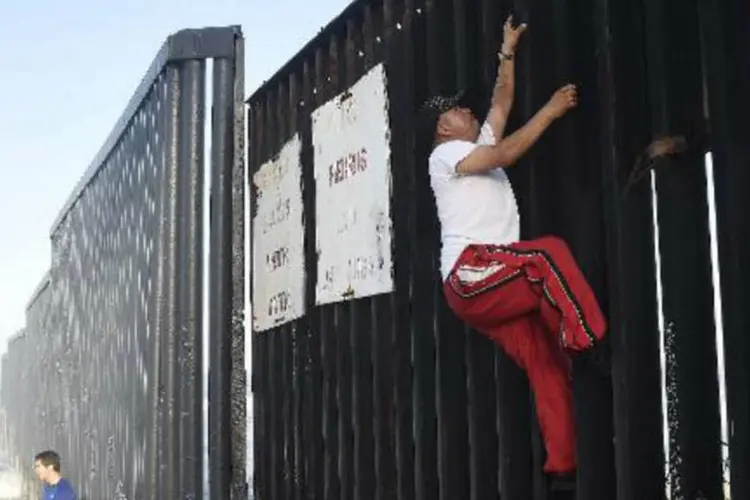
[(529, 297)]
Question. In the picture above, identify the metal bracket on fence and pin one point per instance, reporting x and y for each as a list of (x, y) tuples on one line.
[(646, 161)]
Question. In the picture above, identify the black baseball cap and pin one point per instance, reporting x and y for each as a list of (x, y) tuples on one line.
[(432, 108)]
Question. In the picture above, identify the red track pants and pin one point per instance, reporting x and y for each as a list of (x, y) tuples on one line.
[(532, 300)]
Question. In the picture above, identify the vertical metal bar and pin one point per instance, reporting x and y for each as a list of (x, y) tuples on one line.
[(361, 332), (313, 382), (283, 336), (168, 456), (450, 344), (585, 229), (220, 282), (286, 336), (426, 485), (152, 351), (258, 438), (148, 177), (190, 292), (328, 341), (258, 360), (273, 467), (274, 337), (301, 332), (238, 375), (491, 18), (280, 337), (341, 318), (725, 39), (639, 454), (227, 385), (676, 96), (394, 444), (383, 462)]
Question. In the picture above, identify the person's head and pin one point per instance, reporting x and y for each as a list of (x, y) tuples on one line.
[(446, 118), (47, 466)]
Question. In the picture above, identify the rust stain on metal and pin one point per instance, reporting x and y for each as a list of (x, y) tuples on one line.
[(655, 151)]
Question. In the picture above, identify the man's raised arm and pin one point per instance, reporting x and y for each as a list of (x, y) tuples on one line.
[(507, 151), (502, 94)]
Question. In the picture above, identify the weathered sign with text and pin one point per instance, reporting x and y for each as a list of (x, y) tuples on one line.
[(278, 240), (351, 139)]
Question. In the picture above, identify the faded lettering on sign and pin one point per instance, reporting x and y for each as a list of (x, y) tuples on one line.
[(351, 141), (347, 166), (277, 258), (278, 214), (278, 240), (278, 305)]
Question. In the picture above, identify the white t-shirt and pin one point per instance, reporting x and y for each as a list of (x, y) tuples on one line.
[(473, 209)]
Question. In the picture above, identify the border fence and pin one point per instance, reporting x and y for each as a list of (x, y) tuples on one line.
[(109, 370), (365, 386)]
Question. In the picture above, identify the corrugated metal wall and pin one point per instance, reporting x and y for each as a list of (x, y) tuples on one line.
[(390, 396)]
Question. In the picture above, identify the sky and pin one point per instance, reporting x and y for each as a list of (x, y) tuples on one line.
[(69, 69)]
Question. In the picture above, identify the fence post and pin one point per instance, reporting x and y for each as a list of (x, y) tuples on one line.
[(725, 39), (634, 332), (676, 103), (227, 391), (167, 315)]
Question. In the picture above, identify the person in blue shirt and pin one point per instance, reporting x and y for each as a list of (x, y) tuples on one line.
[(47, 469)]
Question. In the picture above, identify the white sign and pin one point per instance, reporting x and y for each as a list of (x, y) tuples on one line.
[(278, 240), (351, 139)]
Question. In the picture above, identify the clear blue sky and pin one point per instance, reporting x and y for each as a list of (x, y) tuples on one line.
[(68, 69)]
